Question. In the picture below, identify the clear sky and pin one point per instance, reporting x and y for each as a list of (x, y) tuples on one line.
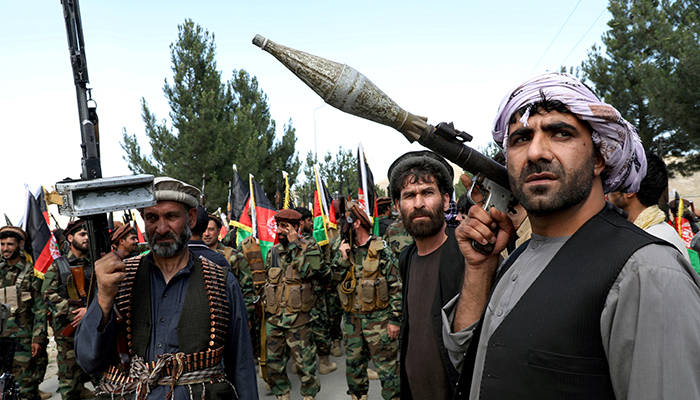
[(445, 60)]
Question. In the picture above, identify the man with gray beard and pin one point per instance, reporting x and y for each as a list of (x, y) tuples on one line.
[(185, 322), (431, 268)]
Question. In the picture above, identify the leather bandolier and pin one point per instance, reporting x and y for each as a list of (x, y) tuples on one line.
[(285, 289), (201, 349), (371, 291), (253, 254)]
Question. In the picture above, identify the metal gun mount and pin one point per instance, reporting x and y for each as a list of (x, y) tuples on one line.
[(99, 196), (494, 195)]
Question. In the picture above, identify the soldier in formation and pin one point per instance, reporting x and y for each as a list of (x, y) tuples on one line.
[(289, 296), (369, 289), (65, 292), (27, 323)]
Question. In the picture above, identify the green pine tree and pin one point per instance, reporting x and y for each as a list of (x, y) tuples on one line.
[(214, 124)]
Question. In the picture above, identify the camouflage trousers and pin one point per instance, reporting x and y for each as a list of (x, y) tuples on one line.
[(297, 342), (71, 377), (319, 326), (335, 315), (24, 368), (367, 337), (42, 362)]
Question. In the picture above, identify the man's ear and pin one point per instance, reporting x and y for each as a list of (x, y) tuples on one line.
[(21, 244), (397, 204), (599, 163), (629, 195), (192, 214), (445, 202)]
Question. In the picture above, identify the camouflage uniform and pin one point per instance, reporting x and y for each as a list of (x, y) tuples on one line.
[(397, 238), (27, 325), (289, 332), (70, 376), (335, 313), (319, 312), (242, 272), (366, 331)]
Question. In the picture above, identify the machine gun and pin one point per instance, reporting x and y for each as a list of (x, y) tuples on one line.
[(348, 90), (93, 196)]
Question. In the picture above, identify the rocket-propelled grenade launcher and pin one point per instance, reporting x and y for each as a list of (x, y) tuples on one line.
[(346, 89)]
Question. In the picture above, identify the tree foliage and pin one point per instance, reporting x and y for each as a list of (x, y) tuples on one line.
[(214, 124), (339, 171), (648, 71)]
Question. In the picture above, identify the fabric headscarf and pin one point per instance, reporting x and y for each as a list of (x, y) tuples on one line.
[(616, 139)]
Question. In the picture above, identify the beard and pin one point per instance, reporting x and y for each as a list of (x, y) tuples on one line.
[(79, 246), (424, 229), (13, 255), (169, 250), (283, 239), (543, 200)]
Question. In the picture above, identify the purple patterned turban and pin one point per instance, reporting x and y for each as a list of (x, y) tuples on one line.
[(616, 139)]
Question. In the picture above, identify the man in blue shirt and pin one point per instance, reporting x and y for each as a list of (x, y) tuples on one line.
[(185, 322)]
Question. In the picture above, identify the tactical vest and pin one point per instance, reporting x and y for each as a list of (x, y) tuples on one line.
[(285, 289), (252, 253), (66, 283), (201, 329), (371, 290)]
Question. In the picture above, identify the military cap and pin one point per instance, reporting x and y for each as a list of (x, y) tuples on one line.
[(216, 219), (16, 230), (288, 215), (360, 214), (169, 189), (120, 233), (416, 158), (383, 200), (74, 227)]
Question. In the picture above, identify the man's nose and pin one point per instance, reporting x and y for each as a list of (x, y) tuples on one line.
[(539, 148)]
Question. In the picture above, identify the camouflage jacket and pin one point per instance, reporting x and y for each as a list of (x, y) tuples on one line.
[(388, 267), (56, 303), (310, 267), (242, 272), (29, 320), (397, 238)]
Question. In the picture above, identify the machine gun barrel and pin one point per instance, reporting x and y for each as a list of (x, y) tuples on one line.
[(348, 90)]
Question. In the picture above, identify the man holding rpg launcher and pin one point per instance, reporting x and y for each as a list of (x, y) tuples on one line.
[(592, 307)]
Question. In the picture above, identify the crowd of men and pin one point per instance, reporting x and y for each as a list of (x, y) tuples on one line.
[(587, 293)]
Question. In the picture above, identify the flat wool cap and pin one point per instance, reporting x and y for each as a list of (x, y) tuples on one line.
[(15, 229), (288, 215), (120, 233), (74, 227), (169, 189)]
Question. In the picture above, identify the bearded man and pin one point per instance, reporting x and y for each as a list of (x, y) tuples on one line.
[(63, 299), (186, 326), (592, 307), (421, 185)]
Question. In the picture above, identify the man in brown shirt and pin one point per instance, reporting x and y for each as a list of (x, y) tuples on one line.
[(431, 268)]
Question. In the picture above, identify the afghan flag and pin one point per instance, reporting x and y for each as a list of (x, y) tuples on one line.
[(224, 224), (239, 206), (367, 198), (43, 243), (321, 211), (261, 221)]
